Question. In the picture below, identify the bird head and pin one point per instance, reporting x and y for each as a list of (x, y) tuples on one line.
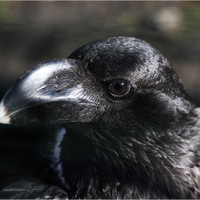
[(121, 79), (125, 112)]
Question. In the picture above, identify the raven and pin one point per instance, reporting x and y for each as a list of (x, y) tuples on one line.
[(124, 126)]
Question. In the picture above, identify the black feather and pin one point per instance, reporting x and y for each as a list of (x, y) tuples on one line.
[(142, 144)]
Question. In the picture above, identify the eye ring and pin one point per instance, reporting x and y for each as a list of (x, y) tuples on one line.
[(119, 88)]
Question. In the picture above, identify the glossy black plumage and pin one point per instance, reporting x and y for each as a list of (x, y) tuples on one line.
[(141, 143)]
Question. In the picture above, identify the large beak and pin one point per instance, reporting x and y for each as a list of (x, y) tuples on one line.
[(51, 92)]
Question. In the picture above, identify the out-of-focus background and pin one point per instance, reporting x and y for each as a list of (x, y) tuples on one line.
[(32, 32)]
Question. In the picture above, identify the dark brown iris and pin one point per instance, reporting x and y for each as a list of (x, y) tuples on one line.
[(118, 88)]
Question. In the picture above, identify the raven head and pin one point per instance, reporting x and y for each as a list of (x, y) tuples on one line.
[(120, 79), (127, 115)]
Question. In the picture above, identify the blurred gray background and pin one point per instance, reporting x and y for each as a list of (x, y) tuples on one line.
[(32, 32)]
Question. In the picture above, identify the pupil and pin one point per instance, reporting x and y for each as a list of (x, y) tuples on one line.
[(118, 86)]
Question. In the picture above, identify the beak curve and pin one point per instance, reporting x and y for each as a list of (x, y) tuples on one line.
[(51, 92), (4, 117)]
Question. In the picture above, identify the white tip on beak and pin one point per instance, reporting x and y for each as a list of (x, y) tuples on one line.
[(4, 118)]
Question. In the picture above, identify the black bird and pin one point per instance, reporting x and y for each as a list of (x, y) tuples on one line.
[(126, 127)]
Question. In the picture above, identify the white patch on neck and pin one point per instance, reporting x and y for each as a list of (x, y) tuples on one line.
[(57, 163)]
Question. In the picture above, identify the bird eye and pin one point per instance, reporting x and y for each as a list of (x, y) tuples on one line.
[(119, 88)]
